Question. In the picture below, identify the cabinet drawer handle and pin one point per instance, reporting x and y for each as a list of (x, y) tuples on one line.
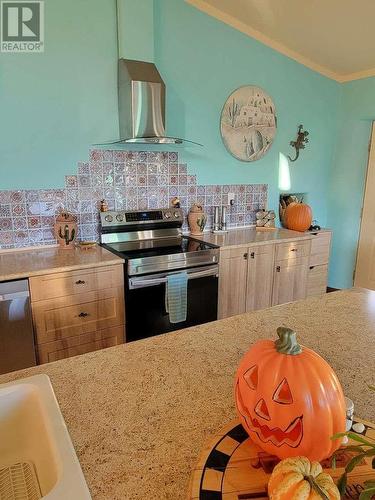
[(245, 256), (294, 250), (312, 267), (80, 282), (252, 255), (83, 315), (278, 269)]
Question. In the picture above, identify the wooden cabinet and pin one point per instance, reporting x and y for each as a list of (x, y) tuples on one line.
[(70, 283), (259, 277), (290, 272), (78, 311), (317, 278), (232, 282), (320, 248), (245, 279), (290, 281)]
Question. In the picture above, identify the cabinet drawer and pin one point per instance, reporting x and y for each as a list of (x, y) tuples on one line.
[(292, 250), (317, 280), (80, 344), (51, 286), (255, 250), (76, 315), (320, 248), (230, 253)]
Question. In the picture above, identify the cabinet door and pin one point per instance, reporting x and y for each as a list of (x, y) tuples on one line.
[(290, 281), (260, 277), (320, 248), (317, 280), (232, 282)]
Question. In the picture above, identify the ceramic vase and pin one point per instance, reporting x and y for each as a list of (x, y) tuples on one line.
[(197, 219), (66, 230)]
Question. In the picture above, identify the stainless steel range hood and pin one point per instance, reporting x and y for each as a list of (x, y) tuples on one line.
[(141, 100)]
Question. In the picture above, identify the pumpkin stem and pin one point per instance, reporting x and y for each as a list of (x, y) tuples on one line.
[(287, 342), (314, 486)]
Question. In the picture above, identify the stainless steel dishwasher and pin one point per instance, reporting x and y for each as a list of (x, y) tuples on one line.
[(17, 348)]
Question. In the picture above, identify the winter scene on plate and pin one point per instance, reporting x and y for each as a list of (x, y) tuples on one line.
[(248, 123)]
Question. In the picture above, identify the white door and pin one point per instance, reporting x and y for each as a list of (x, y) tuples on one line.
[(365, 268)]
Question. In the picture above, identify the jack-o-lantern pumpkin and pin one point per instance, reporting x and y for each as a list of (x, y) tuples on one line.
[(289, 400)]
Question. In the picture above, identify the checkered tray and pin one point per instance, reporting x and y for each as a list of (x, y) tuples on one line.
[(231, 467)]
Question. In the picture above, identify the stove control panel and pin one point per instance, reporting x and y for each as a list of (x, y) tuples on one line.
[(128, 218)]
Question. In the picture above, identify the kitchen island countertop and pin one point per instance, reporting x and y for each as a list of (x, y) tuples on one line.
[(139, 413), (19, 264)]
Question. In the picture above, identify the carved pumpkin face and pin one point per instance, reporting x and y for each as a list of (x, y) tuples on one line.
[(290, 405)]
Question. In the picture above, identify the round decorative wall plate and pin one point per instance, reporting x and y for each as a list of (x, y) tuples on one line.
[(248, 123)]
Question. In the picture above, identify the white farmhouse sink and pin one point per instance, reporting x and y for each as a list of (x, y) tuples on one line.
[(35, 445)]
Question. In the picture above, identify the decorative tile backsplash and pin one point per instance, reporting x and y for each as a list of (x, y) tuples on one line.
[(127, 180)]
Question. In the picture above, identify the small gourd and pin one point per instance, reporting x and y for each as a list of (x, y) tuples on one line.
[(289, 400), (298, 478)]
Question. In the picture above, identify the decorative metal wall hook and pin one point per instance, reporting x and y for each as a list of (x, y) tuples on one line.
[(300, 142)]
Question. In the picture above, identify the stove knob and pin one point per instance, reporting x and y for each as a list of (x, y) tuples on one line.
[(119, 217), (177, 215), (167, 215), (108, 218)]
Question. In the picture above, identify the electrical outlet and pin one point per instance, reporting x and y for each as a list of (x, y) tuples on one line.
[(231, 199)]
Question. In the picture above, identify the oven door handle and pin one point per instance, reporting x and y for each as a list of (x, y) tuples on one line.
[(145, 282)]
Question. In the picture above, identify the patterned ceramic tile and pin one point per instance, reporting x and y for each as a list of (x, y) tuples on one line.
[(48, 234), (127, 180), (96, 155), (35, 236), (5, 197), (47, 221), (107, 155), (32, 195), (33, 222), (71, 181), (97, 180), (18, 210), (6, 224), (17, 197), (19, 223), (5, 211), (6, 238), (83, 168), (173, 157), (182, 180), (108, 180)]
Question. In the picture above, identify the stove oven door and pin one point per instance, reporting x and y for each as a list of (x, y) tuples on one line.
[(145, 302)]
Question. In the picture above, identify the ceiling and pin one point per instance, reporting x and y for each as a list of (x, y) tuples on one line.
[(334, 37)]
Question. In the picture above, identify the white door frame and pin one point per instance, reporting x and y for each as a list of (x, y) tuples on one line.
[(370, 173)]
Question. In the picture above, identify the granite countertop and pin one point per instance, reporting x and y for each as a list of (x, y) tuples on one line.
[(20, 264), (252, 236), (139, 413)]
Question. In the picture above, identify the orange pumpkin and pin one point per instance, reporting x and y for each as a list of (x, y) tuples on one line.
[(298, 216), (289, 400), (298, 478)]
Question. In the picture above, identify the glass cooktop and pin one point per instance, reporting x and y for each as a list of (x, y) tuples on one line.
[(156, 248)]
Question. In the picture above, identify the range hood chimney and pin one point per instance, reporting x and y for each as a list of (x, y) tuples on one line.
[(141, 99)]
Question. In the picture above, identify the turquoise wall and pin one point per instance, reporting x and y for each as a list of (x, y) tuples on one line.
[(136, 29), (357, 111), (54, 105), (203, 61)]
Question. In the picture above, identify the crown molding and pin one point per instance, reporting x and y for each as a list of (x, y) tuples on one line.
[(203, 6), (358, 75)]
